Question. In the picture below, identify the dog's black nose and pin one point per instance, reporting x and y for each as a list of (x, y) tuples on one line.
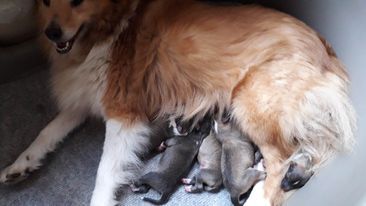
[(53, 31)]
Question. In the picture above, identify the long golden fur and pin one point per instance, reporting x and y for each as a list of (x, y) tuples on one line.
[(190, 57), (285, 85)]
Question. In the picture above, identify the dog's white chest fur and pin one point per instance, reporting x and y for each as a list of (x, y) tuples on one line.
[(82, 87)]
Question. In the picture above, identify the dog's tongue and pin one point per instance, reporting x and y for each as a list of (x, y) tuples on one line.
[(61, 45)]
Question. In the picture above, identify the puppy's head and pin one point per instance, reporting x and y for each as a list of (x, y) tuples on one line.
[(298, 173), (66, 22), (250, 178), (205, 125), (183, 127), (283, 178), (223, 120)]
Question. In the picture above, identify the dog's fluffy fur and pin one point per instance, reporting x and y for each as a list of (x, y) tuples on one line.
[(133, 61)]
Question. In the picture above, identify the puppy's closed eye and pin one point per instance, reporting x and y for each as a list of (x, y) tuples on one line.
[(295, 178)]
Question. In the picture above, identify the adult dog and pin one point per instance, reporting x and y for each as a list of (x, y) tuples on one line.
[(132, 61)]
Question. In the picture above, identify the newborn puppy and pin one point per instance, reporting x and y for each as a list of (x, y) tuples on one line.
[(161, 130), (174, 163), (209, 177), (298, 173), (236, 161)]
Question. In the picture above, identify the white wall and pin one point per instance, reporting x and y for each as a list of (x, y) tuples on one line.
[(343, 23)]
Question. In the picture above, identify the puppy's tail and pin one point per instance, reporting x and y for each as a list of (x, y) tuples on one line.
[(163, 200)]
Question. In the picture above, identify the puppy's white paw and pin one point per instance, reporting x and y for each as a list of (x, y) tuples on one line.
[(19, 170), (188, 188), (186, 181)]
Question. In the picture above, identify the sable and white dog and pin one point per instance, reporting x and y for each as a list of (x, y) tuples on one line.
[(132, 61)]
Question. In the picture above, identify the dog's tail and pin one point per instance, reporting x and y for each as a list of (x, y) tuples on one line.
[(163, 200)]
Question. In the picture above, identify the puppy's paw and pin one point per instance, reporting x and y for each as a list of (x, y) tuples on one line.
[(161, 147), (18, 171), (141, 189), (188, 188), (192, 186), (187, 181)]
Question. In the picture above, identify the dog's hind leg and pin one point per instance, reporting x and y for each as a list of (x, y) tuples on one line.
[(46, 142), (120, 159), (291, 105)]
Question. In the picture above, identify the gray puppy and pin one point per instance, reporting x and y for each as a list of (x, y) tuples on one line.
[(237, 160), (164, 128), (209, 177), (174, 163)]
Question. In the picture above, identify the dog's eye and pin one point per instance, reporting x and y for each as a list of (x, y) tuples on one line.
[(75, 3), (47, 2)]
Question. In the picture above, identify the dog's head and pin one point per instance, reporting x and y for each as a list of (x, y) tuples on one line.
[(66, 22)]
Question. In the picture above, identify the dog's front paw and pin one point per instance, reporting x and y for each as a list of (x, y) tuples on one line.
[(18, 171), (11, 176)]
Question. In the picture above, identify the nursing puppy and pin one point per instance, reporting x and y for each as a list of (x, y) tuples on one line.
[(132, 61), (175, 162), (162, 129), (237, 161), (209, 176)]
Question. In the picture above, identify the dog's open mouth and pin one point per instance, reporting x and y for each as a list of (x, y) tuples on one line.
[(65, 46)]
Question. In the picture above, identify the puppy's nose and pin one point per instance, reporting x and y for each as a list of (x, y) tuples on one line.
[(53, 31)]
